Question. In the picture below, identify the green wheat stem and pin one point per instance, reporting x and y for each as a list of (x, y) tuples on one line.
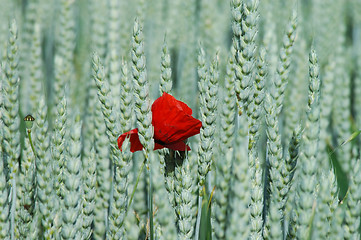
[(136, 182), (198, 221), (150, 204)]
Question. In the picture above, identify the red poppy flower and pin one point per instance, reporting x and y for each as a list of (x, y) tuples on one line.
[(173, 123)]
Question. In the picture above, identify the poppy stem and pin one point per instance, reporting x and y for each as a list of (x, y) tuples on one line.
[(136, 183), (31, 142)]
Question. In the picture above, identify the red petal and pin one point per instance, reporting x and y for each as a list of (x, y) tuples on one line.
[(158, 146), (135, 144), (172, 120), (178, 146)]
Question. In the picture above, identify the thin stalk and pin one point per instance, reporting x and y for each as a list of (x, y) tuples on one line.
[(136, 183), (31, 142), (150, 205), (198, 223), (13, 207)]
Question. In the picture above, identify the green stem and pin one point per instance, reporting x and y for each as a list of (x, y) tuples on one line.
[(31, 143), (150, 205), (136, 183), (198, 223)]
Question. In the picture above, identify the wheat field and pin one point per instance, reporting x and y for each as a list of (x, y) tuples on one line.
[(171, 119)]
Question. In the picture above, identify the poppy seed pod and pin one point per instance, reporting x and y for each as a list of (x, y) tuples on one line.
[(29, 121)]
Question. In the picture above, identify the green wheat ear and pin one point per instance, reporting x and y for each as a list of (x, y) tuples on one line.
[(307, 159)]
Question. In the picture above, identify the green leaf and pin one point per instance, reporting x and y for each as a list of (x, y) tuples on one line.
[(341, 177), (352, 137), (205, 231)]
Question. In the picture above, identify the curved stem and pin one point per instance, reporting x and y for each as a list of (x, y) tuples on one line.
[(31, 142)]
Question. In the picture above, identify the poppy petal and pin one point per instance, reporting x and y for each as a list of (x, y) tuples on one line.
[(135, 144), (178, 146), (158, 146), (172, 120)]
